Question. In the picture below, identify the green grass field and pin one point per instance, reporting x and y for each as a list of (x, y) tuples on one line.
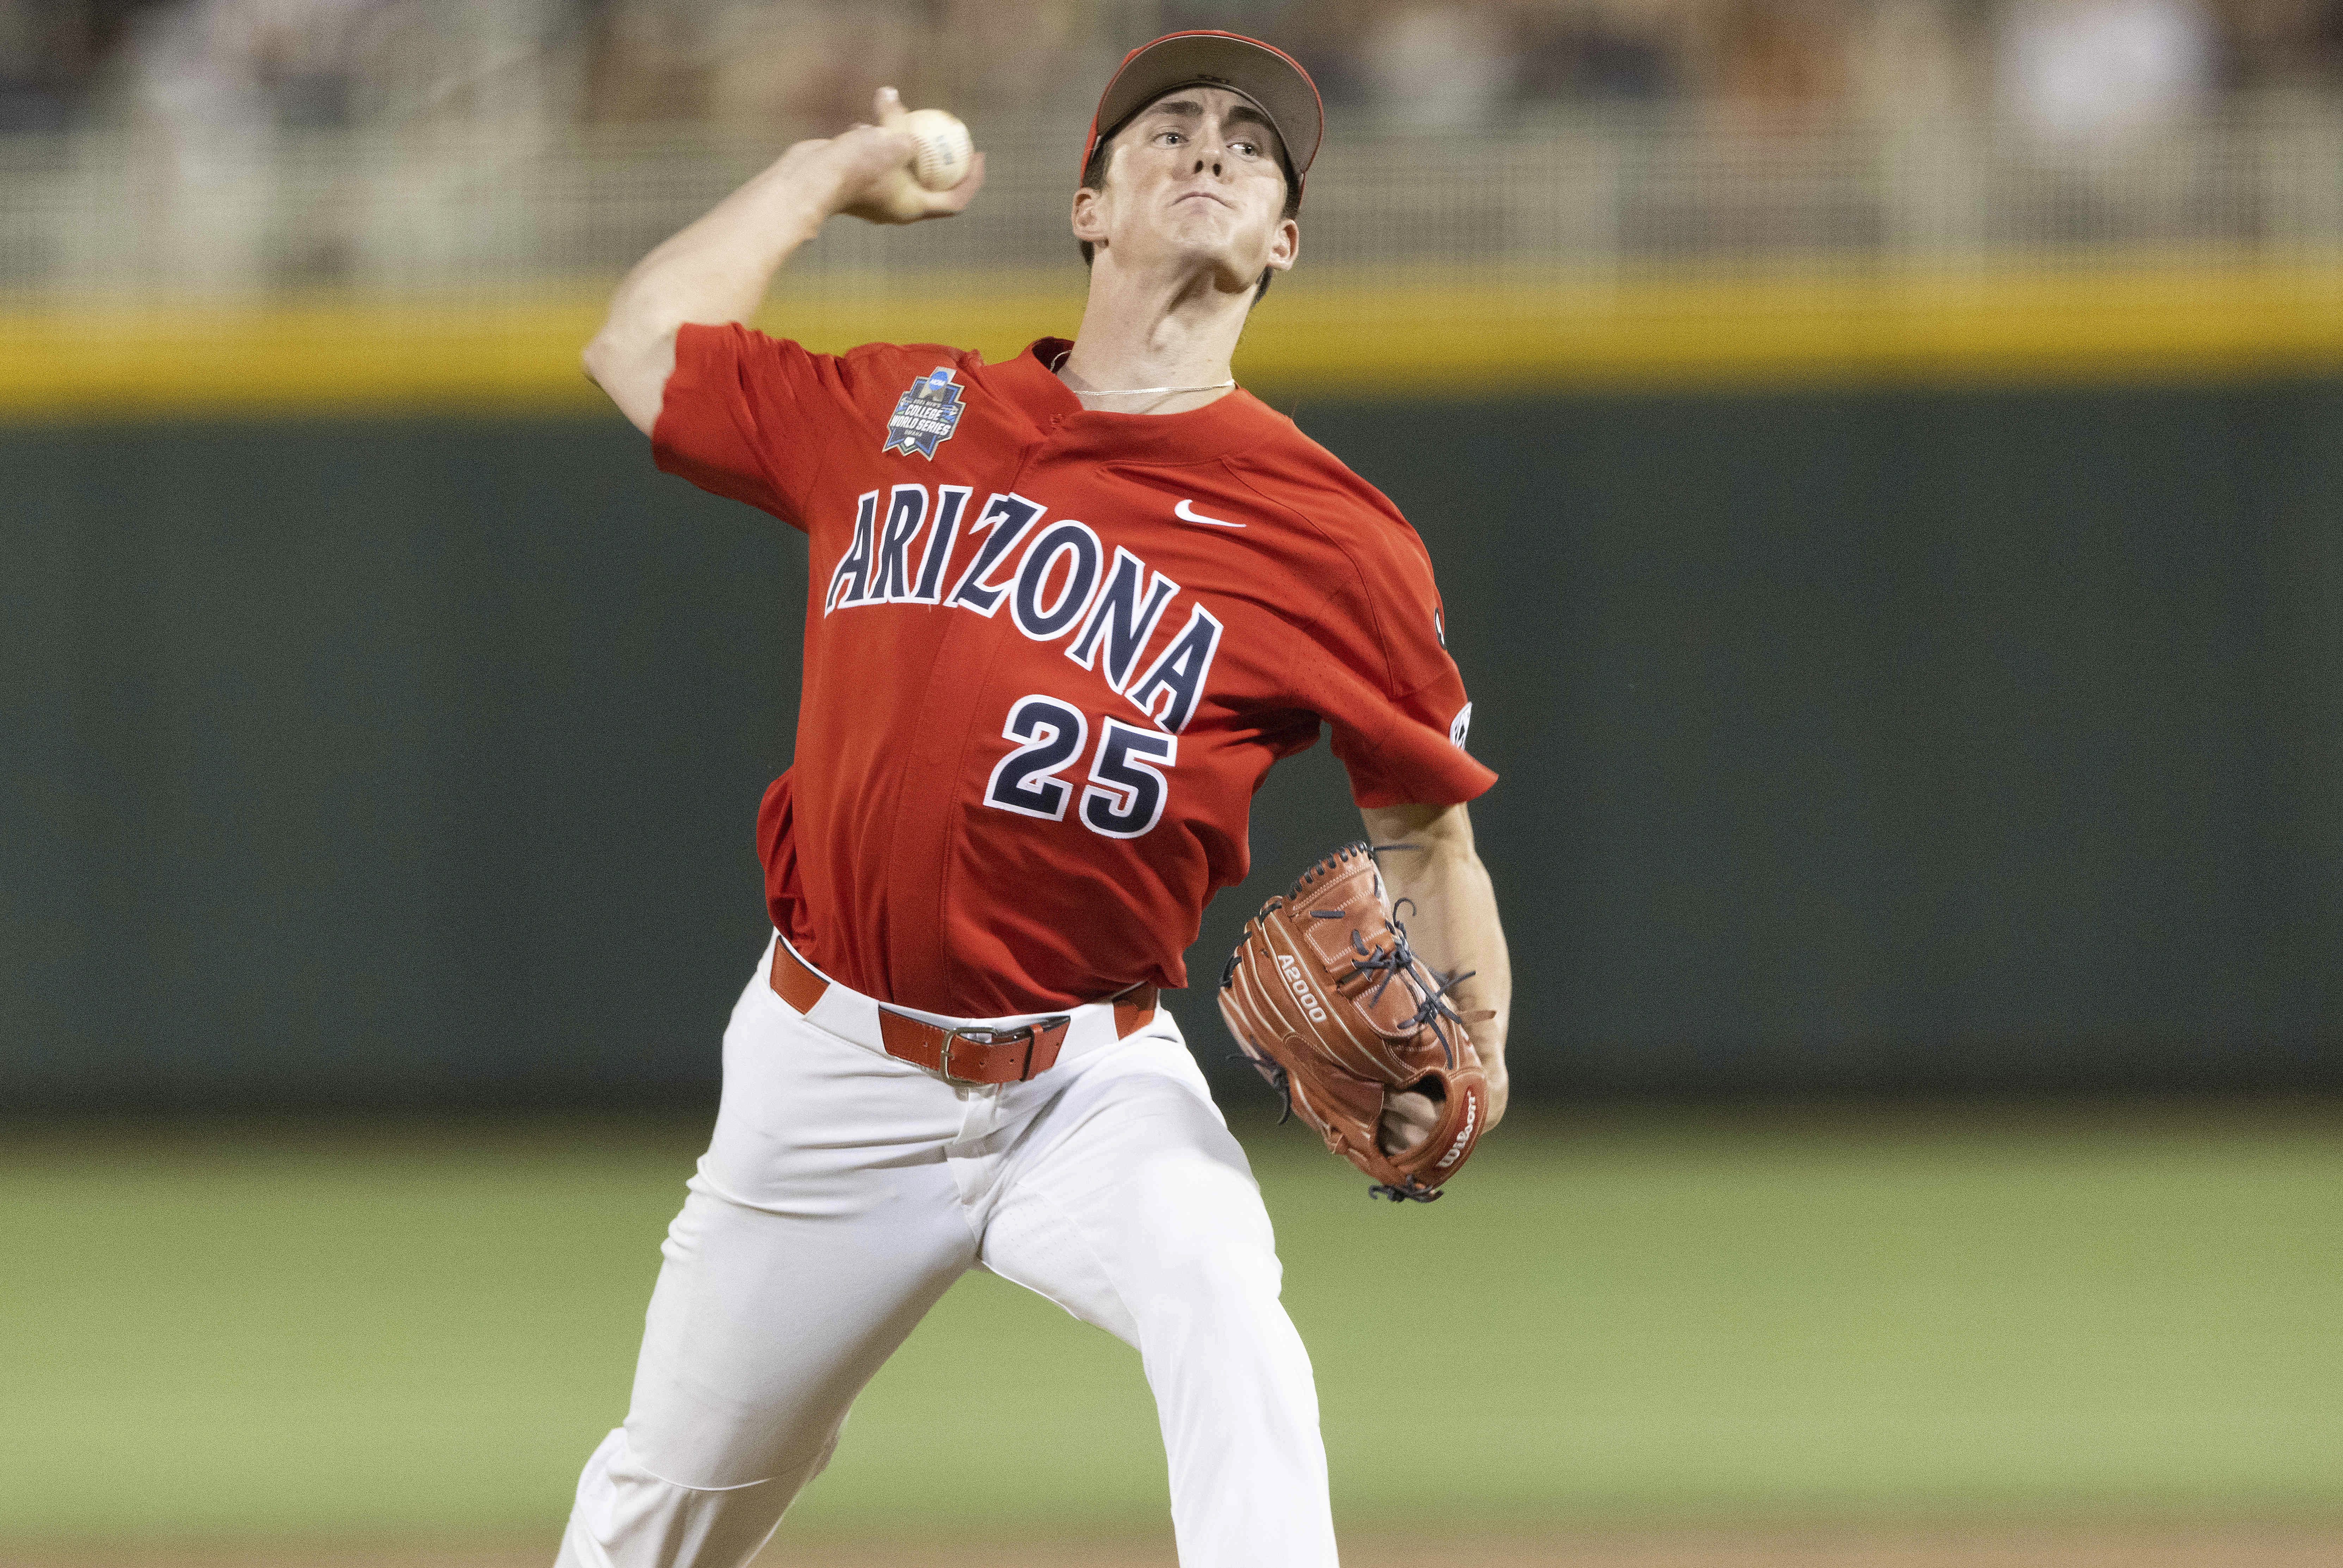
[(222, 1335)]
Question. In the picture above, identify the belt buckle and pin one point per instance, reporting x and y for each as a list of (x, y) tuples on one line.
[(1030, 1034), (976, 1036)]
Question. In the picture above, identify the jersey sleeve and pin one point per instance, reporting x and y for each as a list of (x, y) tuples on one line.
[(1386, 686), (753, 417)]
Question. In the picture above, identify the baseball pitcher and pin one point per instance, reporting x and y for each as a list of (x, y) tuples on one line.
[(1065, 612)]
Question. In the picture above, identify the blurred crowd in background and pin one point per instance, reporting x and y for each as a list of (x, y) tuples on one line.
[(229, 144), (2063, 69)]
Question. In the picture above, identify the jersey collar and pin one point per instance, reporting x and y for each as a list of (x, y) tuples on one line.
[(1224, 424)]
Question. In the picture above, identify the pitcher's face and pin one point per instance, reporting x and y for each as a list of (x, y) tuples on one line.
[(1195, 176)]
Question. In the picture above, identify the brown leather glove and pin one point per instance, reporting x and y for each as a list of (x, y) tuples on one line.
[(1331, 1006)]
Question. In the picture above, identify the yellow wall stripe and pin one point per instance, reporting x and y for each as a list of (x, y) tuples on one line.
[(1406, 335), (2171, 319)]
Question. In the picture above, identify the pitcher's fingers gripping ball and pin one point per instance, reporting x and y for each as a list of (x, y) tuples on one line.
[(923, 166), (1331, 1004)]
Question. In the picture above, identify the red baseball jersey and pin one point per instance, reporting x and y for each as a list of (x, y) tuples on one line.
[(1050, 655)]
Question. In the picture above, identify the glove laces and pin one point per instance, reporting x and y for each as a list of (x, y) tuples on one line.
[(1400, 959)]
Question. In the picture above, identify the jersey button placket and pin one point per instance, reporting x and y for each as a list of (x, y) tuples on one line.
[(971, 641)]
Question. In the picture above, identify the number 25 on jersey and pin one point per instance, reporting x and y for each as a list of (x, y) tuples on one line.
[(1124, 795)]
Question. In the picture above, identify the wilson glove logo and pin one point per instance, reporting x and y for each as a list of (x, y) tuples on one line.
[(1472, 1114), (1299, 987)]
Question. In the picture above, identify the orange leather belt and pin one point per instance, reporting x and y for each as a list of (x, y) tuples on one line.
[(968, 1055)]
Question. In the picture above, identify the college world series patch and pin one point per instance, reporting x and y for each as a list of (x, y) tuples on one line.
[(926, 416)]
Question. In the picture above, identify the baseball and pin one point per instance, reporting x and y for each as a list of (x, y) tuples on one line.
[(945, 150)]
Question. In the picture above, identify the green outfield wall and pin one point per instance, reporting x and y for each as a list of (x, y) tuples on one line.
[(1973, 740)]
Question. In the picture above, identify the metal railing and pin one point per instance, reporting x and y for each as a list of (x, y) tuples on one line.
[(441, 210)]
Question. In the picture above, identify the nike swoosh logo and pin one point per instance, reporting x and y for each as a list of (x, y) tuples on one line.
[(1186, 512)]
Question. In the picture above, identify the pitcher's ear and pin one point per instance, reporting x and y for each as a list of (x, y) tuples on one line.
[(1284, 245), (1089, 223)]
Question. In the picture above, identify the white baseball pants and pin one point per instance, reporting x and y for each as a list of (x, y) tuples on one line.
[(844, 1190)]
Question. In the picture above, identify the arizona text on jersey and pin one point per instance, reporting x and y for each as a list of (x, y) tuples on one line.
[(1084, 637)]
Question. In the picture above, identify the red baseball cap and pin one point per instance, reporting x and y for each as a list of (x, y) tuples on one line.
[(1272, 79)]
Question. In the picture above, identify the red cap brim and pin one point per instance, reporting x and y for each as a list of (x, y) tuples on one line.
[(1274, 79)]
